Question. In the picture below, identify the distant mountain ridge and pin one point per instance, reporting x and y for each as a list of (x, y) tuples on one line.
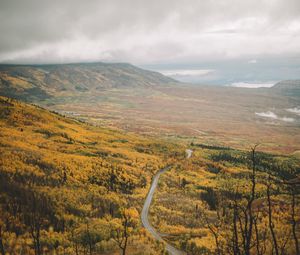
[(42, 81), (288, 88)]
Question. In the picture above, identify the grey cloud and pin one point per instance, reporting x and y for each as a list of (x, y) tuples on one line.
[(143, 31)]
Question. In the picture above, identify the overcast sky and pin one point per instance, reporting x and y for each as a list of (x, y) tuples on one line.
[(156, 33)]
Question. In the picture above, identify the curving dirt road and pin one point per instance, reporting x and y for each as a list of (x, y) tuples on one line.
[(171, 249)]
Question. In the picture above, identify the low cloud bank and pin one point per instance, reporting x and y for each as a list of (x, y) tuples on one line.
[(190, 75), (198, 72), (252, 85), (268, 114), (272, 115), (295, 110)]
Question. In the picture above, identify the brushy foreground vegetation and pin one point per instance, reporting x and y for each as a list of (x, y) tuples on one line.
[(70, 188), (225, 201)]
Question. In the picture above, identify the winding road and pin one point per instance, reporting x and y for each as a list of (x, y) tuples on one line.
[(171, 249)]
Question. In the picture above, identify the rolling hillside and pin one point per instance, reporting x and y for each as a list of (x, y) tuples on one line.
[(37, 82)]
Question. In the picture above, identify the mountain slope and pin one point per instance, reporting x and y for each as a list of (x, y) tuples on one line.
[(62, 180), (29, 82), (287, 88)]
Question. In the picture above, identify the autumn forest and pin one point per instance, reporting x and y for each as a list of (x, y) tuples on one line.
[(68, 187)]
